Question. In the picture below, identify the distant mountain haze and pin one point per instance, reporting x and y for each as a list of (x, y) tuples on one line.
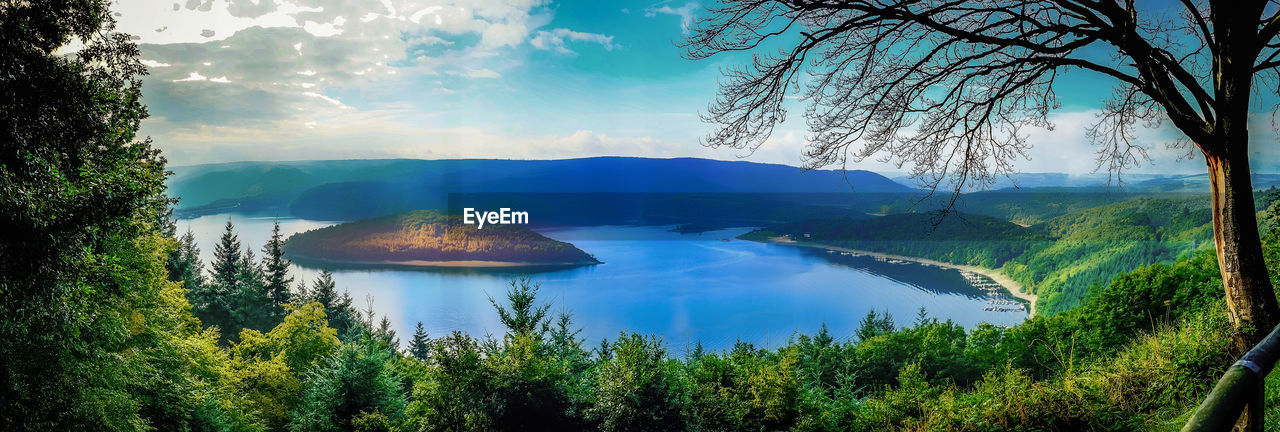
[(345, 189)]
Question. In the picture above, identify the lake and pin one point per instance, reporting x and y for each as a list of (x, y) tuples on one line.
[(685, 287)]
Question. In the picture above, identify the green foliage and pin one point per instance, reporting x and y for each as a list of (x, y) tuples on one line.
[(275, 269), (873, 325), (355, 389), (267, 370), (525, 318), (958, 238), (420, 345), (1096, 244), (184, 264), (635, 389), (343, 316), (1064, 259), (82, 267)]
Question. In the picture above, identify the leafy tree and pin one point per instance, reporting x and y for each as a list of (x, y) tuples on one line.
[(456, 391), (354, 384), (420, 344), (276, 269), (267, 370), (635, 388), (78, 188), (872, 73)]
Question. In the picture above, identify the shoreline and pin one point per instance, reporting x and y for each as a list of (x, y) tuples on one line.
[(1013, 287), (440, 264)]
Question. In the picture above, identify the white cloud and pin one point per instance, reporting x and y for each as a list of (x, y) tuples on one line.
[(555, 39), (195, 76), (686, 13)]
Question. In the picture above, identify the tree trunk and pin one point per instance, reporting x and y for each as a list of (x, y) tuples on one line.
[(1251, 301)]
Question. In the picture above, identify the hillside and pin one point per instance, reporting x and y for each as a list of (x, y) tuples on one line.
[(1091, 246), (1063, 260), (958, 238), (429, 238), (350, 189)]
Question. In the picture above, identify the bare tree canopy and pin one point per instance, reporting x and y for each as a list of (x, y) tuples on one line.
[(948, 87)]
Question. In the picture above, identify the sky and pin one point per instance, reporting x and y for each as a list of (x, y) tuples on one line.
[(234, 80)]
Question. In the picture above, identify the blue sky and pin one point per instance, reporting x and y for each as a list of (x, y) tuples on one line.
[(531, 79)]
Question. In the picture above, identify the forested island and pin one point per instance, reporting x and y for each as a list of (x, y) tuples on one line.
[(431, 238)]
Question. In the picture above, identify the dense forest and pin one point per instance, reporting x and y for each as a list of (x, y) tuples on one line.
[(1064, 259), (110, 323), (1137, 356), (431, 236)]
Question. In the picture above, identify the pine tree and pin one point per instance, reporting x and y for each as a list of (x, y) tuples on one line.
[(922, 317), (301, 292), (184, 263), (226, 259), (874, 325), (324, 289), (420, 344), (252, 305), (386, 334), (525, 317), (344, 317), (339, 308), (823, 339), (564, 337), (276, 269), (213, 302)]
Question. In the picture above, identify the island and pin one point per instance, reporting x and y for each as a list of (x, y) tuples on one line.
[(430, 239)]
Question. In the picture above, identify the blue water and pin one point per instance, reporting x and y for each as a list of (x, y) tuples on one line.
[(684, 287)]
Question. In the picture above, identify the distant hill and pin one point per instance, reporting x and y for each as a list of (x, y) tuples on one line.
[(430, 239), (347, 189), (1132, 183), (957, 238), (1064, 259)]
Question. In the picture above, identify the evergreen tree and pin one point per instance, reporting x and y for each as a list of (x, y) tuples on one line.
[(564, 337), (823, 338), (602, 351), (420, 344), (357, 385), (343, 315), (185, 265), (345, 318), (214, 300), (253, 307), (874, 325), (227, 259), (525, 317), (922, 317), (324, 290), (276, 269), (301, 292)]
